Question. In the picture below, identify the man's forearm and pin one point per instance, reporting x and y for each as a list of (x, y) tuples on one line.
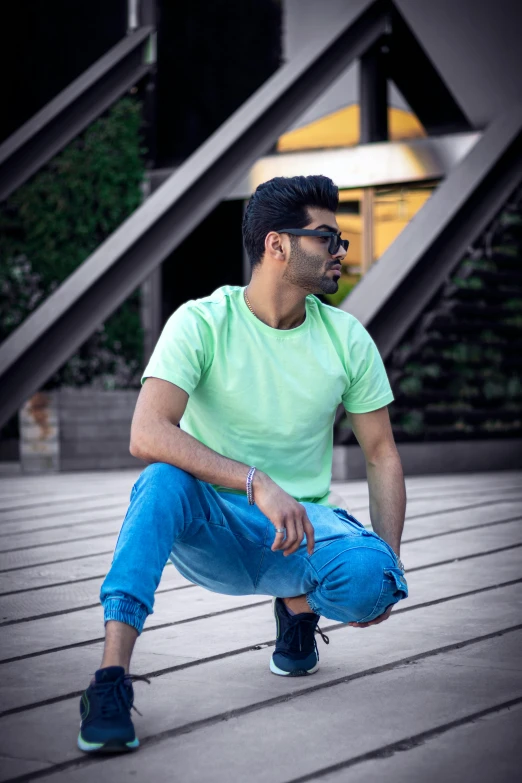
[(164, 442), (387, 497)]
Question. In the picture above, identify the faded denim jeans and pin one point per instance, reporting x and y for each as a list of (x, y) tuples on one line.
[(216, 540)]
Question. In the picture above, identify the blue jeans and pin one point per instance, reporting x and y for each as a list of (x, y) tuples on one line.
[(216, 540)]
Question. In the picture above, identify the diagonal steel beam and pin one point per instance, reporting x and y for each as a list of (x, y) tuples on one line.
[(421, 84), (49, 336), (396, 290), (63, 118)]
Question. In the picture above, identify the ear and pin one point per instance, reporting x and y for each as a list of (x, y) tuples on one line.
[(274, 246)]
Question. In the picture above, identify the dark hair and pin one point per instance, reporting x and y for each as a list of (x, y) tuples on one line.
[(282, 203)]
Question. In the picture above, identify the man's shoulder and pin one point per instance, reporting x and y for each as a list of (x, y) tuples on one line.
[(334, 317), (215, 306)]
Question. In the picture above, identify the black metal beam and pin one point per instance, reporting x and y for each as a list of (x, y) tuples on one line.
[(421, 84), (63, 118), (148, 18), (49, 336), (397, 289), (373, 94)]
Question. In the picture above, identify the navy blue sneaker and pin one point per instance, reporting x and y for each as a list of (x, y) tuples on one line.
[(296, 652), (105, 709)]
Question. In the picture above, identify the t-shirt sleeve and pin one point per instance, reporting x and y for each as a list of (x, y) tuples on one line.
[(368, 387), (182, 351)]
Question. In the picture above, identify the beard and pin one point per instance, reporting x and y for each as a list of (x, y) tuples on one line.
[(307, 272)]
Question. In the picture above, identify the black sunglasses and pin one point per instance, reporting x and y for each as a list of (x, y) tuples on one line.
[(335, 242)]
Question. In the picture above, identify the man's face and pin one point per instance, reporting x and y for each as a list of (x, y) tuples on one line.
[(310, 265)]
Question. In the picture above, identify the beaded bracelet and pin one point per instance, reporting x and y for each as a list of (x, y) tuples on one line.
[(250, 491)]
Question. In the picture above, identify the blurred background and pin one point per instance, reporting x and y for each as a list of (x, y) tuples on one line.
[(132, 136)]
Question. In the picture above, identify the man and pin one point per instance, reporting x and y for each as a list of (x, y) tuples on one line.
[(254, 377)]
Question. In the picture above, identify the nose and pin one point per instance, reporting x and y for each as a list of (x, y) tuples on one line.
[(340, 254)]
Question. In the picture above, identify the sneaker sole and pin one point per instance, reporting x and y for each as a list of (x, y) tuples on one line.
[(297, 673), (107, 747)]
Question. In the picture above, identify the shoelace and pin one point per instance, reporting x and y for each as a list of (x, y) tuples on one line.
[(288, 636), (116, 695)]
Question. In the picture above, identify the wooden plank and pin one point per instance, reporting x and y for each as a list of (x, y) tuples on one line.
[(94, 567), (448, 522), (463, 544), (243, 744), (199, 639), (461, 479), (83, 522), (452, 503), (209, 692), (50, 484), (49, 533), (85, 527), (415, 555), (67, 597), (52, 503), (108, 519), (55, 503), (62, 508), (488, 749), (217, 635), (420, 485), (52, 553), (12, 768), (354, 492), (470, 495), (39, 575), (67, 483), (84, 478), (451, 520)]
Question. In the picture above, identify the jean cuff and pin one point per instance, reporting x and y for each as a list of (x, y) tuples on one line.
[(125, 610), (312, 604)]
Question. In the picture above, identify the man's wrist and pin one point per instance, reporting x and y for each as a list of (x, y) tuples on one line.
[(397, 552), (259, 480)]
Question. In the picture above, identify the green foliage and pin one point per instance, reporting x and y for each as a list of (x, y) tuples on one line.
[(510, 219), (422, 370), (515, 320), (410, 385), (50, 225), (412, 422), (515, 303), (507, 250), (464, 380), (471, 283)]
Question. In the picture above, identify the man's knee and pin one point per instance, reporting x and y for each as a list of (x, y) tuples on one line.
[(361, 583), (166, 478)]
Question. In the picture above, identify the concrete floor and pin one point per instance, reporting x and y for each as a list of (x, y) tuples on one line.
[(434, 694)]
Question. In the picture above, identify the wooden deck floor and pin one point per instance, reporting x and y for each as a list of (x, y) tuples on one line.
[(441, 681)]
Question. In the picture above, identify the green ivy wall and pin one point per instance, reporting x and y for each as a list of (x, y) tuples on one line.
[(56, 220)]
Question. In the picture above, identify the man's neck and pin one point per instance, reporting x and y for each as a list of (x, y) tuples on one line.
[(278, 306)]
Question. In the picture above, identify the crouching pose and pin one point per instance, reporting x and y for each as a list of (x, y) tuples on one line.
[(237, 495)]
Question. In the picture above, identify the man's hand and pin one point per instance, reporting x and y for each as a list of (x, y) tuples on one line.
[(380, 619), (283, 512)]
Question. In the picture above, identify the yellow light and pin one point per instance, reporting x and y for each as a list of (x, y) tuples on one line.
[(341, 129)]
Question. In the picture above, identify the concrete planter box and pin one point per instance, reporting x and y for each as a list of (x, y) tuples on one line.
[(77, 429), (86, 429), (470, 456)]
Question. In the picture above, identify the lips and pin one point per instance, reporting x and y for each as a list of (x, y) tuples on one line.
[(336, 268)]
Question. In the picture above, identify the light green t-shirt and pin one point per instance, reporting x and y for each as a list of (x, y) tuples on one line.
[(267, 397)]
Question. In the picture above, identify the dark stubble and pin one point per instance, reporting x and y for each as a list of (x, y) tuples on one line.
[(307, 271)]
